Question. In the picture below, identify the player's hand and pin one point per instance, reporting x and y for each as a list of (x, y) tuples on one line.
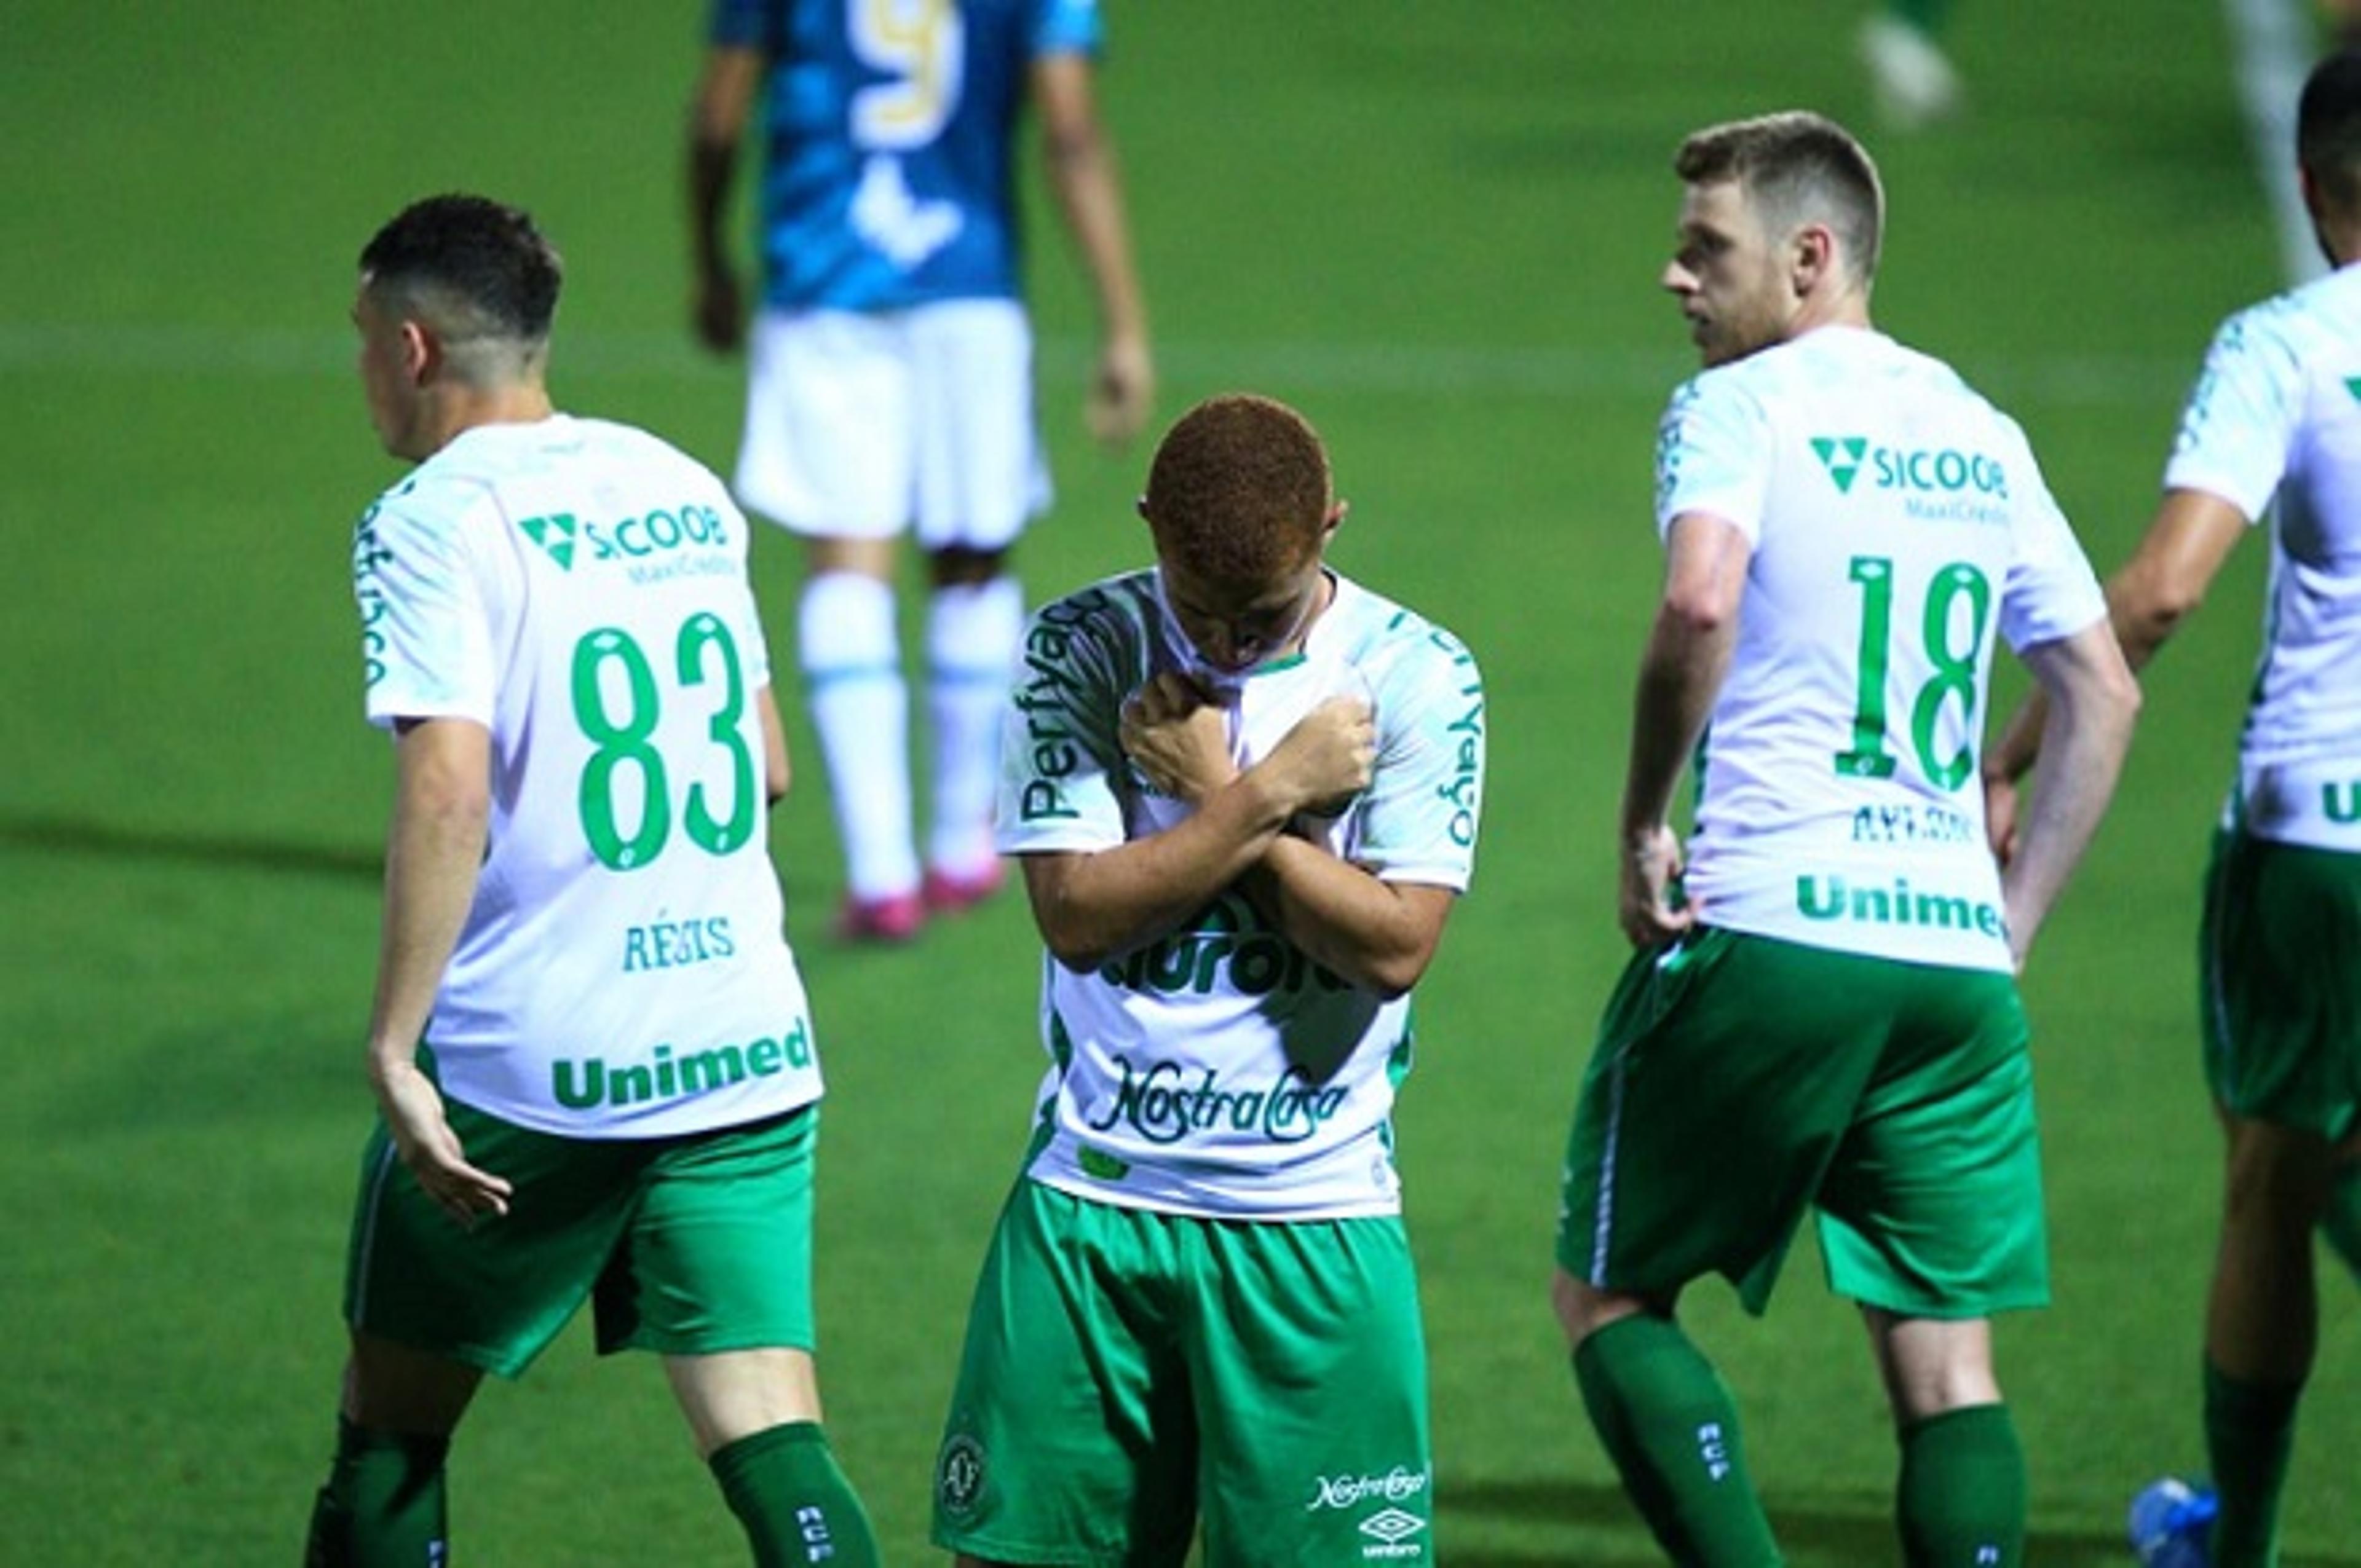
[(1329, 755), (1652, 912), (1179, 736), (2001, 804), (1122, 391), (423, 1137), (718, 309)]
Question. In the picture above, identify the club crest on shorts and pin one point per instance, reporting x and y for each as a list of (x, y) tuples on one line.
[(959, 1475)]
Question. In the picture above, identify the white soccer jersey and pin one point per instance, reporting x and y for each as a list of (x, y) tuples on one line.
[(1896, 520), (1221, 1070), (2277, 412), (579, 589)]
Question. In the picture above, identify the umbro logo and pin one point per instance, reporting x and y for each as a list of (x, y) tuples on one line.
[(554, 534), (1840, 456), (2352, 385), (1389, 1532)]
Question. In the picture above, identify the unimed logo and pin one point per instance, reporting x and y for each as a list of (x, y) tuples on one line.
[(1840, 456)]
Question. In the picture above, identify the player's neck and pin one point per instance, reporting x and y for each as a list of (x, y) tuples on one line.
[(2341, 244), (1849, 307), (462, 408), (1321, 600)]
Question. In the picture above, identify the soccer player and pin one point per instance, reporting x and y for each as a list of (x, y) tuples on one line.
[(1915, 82), (1243, 793), (891, 380), (589, 1044), (1824, 993), (2275, 417)]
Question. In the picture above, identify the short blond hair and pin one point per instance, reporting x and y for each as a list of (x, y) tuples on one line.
[(1796, 167)]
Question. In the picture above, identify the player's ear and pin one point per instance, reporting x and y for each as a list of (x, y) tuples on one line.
[(421, 353), (1811, 257), (1337, 509)]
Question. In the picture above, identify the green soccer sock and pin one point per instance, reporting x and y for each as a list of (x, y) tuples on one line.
[(383, 1506), (1928, 15), (1672, 1429), (783, 1484), (1960, 1499), (2250, 1435), (2342, 1223)]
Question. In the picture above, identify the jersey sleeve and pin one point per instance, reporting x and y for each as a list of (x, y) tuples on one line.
[(1425, 799), (2051, 591), (747, 23), (1065, 26), (1713, 455), (425, 634), (1060, 755), (2240, 418)]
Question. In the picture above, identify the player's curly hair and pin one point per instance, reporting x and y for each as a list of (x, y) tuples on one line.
[(477, 268), (1239, 488), (1796, 167)]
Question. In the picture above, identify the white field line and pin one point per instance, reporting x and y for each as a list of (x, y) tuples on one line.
[(1410, 369)]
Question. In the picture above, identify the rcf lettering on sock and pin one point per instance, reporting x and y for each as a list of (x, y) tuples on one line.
[(1714, 1450)]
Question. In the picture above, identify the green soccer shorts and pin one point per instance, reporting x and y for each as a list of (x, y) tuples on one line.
[(1740, 1081), (2279, 982), (688, 1246), (1129, 1374)]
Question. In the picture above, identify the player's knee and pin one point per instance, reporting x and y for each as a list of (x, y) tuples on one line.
[(2277, 1175), (1583, 1310), (962, 565)]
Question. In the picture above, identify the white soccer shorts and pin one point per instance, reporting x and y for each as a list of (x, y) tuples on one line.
[(859, 425)]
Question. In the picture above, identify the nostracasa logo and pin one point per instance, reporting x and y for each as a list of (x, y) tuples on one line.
[(1344, 1491), (1162, 1107), (1840, 456)]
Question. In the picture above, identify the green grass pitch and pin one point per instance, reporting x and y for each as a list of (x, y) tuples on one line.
[(1435, 227)]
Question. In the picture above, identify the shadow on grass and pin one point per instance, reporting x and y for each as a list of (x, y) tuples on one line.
[(1847, 1532), (57, 835)]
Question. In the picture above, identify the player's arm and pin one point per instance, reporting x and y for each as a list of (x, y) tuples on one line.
[(777, 774), (1080, 160), (2148, 598), (1093, 905), (2091, 700), (1681, 672), (435, 848), (1379, 935), (725, 97)]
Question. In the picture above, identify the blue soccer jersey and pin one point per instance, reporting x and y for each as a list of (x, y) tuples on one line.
[(890, 122)]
